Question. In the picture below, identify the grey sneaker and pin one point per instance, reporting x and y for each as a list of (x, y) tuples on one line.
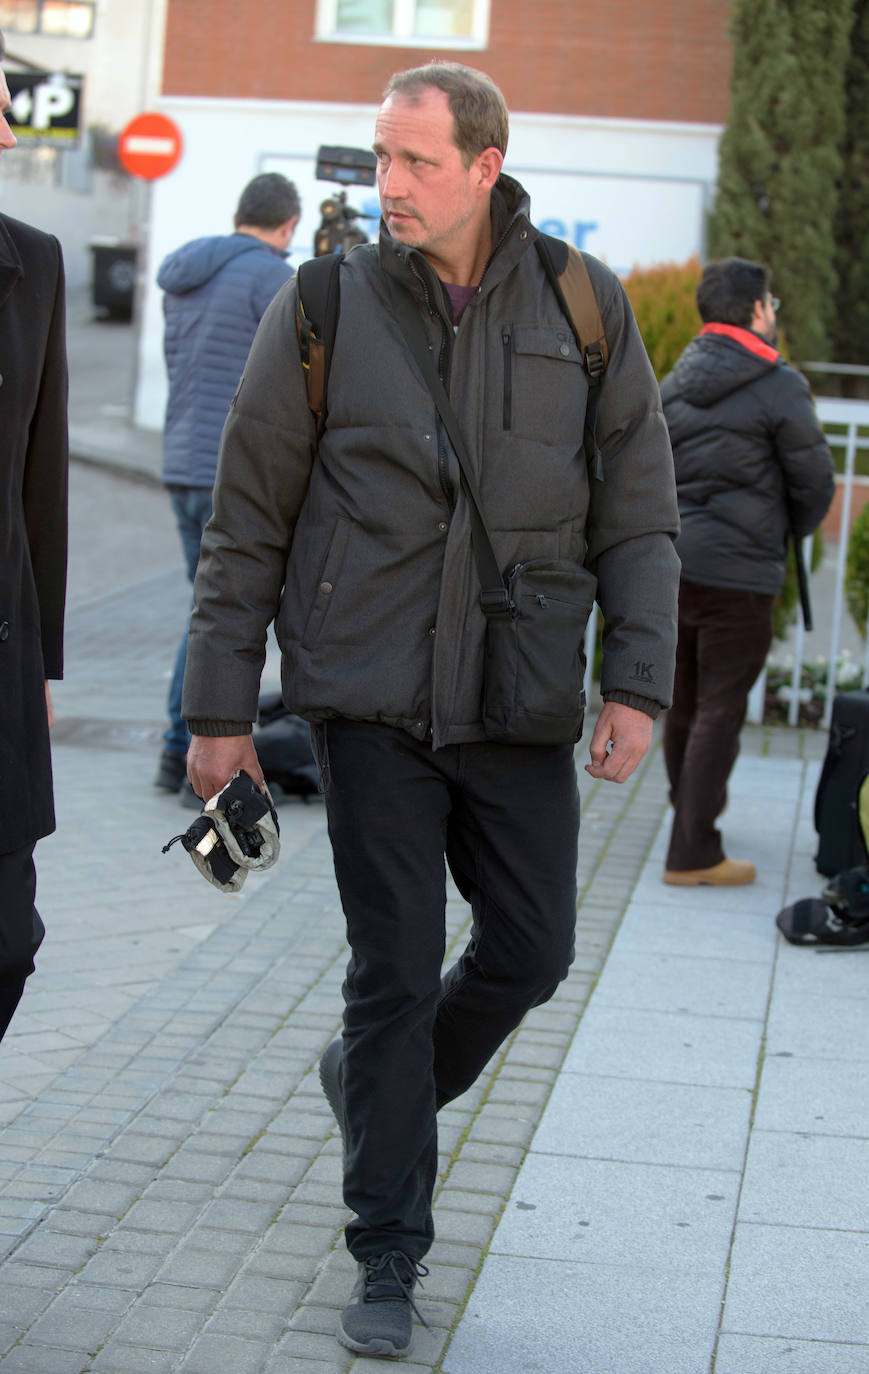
[(378, 1318)]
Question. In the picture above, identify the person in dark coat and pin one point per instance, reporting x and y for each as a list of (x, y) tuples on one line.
[(217, 290), (357, 544), (752, 469), (33, 544)]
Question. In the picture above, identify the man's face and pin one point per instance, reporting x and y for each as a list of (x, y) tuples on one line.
[(7, 138), (428, 196)]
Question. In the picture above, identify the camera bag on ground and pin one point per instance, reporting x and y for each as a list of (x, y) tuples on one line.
[(842, 797), (840, 916), (283, 746), (319, 304)]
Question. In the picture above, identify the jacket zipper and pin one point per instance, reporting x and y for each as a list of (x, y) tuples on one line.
[(507, 341), (443, 373)]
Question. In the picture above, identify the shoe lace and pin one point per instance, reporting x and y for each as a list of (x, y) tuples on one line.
[(394, 1269)]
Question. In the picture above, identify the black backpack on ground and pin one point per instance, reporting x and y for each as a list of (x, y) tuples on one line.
[(283, 745), (841, 836)]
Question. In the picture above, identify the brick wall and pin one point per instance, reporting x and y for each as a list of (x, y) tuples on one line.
[(626, 59)]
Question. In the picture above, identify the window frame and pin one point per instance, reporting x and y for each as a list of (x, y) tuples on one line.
[(402, 36), (10, 26)]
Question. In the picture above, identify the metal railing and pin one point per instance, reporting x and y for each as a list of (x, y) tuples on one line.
[(834, 415)]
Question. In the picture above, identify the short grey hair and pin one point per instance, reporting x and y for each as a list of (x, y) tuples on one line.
[(478, 108)]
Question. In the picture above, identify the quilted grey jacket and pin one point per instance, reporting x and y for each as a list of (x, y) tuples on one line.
[(364, 555)]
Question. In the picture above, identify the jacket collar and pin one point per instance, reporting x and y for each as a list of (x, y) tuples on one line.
[(11, 269), (746, 337), (509, 214)]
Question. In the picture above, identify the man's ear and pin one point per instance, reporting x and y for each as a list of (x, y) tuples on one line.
[(290, 227), (488, 168)]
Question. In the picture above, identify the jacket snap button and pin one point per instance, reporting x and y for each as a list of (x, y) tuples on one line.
[(433, 630), (564, 350), (4, 630), (326, 587), (442, 524)]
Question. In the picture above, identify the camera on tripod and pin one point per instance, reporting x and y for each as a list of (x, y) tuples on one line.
[(338, 230)]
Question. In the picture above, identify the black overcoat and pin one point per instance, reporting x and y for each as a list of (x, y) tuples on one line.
[(33, 521)]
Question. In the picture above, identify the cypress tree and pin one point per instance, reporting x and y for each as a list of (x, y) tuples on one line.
[(851, 329), (780, 156)]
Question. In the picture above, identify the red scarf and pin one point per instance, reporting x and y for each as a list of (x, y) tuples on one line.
[(744, 337)]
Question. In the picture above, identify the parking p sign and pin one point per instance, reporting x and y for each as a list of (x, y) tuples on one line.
[(45, 108)]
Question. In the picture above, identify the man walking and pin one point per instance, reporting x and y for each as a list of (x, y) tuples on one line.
[(365, 557), (33, 544), (752, 468), (217, 290)]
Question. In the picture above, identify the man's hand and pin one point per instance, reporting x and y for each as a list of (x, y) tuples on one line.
[(213, 759), (621, 738), (49, 705)]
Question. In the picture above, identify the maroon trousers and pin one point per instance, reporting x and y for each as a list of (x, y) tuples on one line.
[(724, 638)]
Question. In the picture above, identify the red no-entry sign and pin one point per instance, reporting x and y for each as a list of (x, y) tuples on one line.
[(150, 146)]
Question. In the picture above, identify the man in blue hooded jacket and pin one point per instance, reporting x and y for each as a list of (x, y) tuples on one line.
[(217, 290)]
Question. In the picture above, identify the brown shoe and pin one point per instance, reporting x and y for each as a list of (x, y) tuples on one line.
[(729, 873)]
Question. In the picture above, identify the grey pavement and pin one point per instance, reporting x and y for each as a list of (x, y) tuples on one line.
[(664, 1171)]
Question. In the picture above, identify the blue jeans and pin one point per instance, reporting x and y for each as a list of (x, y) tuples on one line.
[(506, 820), (192, 507)]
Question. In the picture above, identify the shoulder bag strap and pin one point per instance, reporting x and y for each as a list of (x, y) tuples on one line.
[(494, 598), (575, 294)]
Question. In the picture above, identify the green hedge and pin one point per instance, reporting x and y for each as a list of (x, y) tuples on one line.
[(857, 571), (663, 301)]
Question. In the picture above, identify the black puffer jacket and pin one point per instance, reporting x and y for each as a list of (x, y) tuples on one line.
[(366, 553), (747, 448)]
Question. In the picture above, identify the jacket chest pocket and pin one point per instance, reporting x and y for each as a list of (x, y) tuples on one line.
[(544, 391)]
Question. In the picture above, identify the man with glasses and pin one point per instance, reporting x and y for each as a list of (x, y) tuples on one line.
[(752, 469)]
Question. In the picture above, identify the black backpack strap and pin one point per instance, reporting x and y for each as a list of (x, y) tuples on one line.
[(316, 324), (568, 276)]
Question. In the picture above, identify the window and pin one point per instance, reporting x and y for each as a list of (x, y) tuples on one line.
[(56, 18), (409, 23)]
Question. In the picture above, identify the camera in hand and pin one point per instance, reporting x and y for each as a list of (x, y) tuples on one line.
[(338, 230)]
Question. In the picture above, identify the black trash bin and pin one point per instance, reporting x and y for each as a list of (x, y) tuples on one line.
[(114, 275)]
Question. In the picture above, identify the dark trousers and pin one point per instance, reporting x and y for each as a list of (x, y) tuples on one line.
[(506, 819), (724, 638), (21, 929)]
